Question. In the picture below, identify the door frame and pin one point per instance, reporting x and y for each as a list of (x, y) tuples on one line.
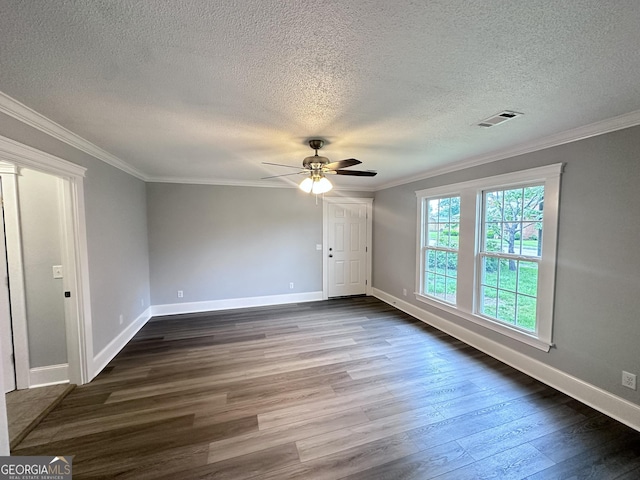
[(4, 267), (326, 201), (74, 253)]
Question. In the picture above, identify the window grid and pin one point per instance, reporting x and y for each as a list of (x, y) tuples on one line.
[(509, 264), (440, 248)]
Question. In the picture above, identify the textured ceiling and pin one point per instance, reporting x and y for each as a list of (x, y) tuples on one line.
[(208, 90)]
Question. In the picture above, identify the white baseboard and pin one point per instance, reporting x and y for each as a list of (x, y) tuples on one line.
[(50, 375), (110, 351), (603, 401), (232, 303)]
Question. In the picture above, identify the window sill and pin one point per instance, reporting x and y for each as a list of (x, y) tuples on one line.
[(503, 329)]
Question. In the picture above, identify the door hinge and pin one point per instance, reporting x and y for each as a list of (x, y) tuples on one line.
[(13, 358), (366, 282), (366, 249)]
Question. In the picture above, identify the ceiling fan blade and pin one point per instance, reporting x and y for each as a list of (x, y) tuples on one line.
[(348, 162), (280, 165), (283, 175), (356, 173)]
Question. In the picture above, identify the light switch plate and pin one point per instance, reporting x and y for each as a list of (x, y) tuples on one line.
[(57, 271)]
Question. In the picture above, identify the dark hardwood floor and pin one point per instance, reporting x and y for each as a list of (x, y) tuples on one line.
[(348, 388)]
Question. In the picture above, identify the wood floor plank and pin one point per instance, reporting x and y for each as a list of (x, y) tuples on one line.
[(345, 438), (422, 465), (346, 462), (291, 432), (346, 388)]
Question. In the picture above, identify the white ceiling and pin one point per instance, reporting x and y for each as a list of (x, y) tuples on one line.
[(207, 90)]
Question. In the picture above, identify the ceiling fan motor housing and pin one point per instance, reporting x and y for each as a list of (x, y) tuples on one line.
[(315, 162)]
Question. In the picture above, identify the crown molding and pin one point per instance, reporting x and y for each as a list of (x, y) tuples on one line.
[(609, 125), (26, 156), (13, 108), (232, 183)]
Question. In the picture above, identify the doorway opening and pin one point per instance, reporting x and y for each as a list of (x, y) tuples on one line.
[(47, 267)]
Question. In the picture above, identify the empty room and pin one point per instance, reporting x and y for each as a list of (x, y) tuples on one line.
[(320, 240)]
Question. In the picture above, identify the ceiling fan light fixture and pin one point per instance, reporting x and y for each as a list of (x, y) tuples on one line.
[(321, 186), (306, 185), (315, 185)]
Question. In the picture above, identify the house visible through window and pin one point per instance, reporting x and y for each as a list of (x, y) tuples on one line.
[(487, 251)]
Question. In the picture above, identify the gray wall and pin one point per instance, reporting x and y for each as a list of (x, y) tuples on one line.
[(40, 217), (596, 319), (222, 242), (116, 234)]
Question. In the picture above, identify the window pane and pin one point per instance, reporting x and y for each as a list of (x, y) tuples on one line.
[(490, 271), (454, 235), (433, 234), (488, 300), (492, 237), (444, 210), (533, 203), (507, 307), (528, 278), (507, 275), (429, 283), (440, 286), (532, 239), (493, 207), (433, 210), (443, 238), (431, 260), (452, 264), (517, 247), (526, 317), (513, 220), (441, 262), (512, 205), (451, 290)]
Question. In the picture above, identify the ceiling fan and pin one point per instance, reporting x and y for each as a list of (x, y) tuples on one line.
[(316, 167)]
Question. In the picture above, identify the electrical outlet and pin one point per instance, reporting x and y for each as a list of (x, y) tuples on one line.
[(628, 380), (121, 319), (142, 302), (180, 294), (404, 292), (291, 285)]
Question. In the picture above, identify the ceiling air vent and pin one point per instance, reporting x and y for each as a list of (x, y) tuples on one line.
[(499, 118)]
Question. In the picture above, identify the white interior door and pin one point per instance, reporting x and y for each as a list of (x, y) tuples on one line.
[(347, 249), (6, 332)]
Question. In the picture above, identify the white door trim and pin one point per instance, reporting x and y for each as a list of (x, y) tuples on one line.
[(77, 308), (325, 232), (16, 274)]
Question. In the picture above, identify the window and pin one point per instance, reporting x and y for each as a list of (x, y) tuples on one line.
[(440, 248), (510, 253), (487, 248)]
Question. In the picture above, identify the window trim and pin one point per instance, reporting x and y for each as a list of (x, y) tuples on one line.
[(425, 247), (467, 294)]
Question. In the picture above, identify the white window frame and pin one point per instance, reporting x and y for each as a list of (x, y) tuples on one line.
[(469, 258), (425, 247)]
